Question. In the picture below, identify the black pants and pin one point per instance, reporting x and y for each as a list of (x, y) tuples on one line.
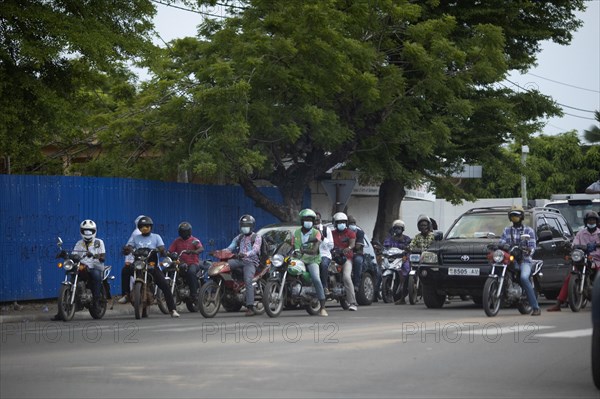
[(126, 272), (159, 280)]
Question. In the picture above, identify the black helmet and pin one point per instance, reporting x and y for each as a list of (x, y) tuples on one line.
[(184, 230), (145, 221), (591, 215), (247, 221)]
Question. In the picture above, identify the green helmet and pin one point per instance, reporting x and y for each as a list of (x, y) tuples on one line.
[(307, 214)]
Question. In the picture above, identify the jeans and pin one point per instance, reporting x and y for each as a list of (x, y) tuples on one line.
[(313, 269), (357, 266), (249, 270), (192, 280), (526, 284), (347, 278), (325, 262)]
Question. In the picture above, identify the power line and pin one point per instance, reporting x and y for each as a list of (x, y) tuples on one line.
[(564, 84), (187, 9)]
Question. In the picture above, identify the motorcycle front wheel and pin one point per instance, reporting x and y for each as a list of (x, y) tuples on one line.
[(272, 302), (575, 295), (313, 307), (386, 289), (491, 299), (209, 299), (161, 301), (259, 308), (98, 312), (413, 289), (65, 308), (137, 300)]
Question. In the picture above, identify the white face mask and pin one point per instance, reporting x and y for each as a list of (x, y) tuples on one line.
[(245, 230), (591, 226), (353, 227), (341, 226), (307, 224)]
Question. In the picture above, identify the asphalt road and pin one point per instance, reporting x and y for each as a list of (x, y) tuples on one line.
[(379, 351)]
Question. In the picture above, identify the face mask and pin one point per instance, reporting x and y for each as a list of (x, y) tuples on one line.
[(245, 230), (307, 225), (591, 226), (341, 226), (352, 227)]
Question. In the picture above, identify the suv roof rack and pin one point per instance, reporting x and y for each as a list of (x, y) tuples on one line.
[(507, 208)]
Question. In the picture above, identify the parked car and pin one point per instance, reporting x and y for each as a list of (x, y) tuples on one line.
[(281, 233), (574, 206), (458, 263)]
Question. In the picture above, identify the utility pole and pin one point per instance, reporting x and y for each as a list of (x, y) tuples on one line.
[(524, 152)]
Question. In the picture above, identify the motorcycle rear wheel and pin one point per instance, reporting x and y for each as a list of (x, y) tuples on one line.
[(412, 289), (98, 313), (491, 303), (65, 308), (272, 303), (209, 300), (137, 300), (575, 295)]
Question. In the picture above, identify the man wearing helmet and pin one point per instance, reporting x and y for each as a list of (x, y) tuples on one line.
[(423, 240), (590, 237), (345, 239), (512, 236), (147, 239), (397, 239), (93, 254), (306, 241), (246, 246), (188, 247), (126, 271), (594, 188), (324, 250)]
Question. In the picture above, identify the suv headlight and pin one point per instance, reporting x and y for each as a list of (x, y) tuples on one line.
[(577, 255), (498, 256), (429, 257)]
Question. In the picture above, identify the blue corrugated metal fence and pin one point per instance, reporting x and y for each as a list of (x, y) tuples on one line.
[(34, 210)]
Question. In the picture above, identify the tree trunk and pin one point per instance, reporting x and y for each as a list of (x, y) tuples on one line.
[(391, 194)]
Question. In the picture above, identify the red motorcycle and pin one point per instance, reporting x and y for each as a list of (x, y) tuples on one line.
[(226, 287)]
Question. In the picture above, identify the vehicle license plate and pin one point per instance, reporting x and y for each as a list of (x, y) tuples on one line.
[(463, 271)]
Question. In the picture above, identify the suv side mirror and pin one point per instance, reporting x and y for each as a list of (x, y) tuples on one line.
[(545, 235), (438, 235)]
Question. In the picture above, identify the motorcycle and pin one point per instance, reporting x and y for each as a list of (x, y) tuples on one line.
[(144, 292), (289, 283), (75, 293), (582, 276), (174, 274), (502, 287), (415, 291), (335, 281), (226, 287), (391, 281)]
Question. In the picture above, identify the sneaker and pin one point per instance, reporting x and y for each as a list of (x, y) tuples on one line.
[(174, 313), (123, 300), (323, 312), (536, 312), (249, 312), (353, 308)]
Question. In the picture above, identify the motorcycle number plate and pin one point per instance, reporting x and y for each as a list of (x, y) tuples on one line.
[(412, 272), (463, 271)]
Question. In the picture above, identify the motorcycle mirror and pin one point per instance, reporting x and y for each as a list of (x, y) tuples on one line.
[(525, 237), (59, 241)]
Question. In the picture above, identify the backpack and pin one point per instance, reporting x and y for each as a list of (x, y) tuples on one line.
[(264, 249)]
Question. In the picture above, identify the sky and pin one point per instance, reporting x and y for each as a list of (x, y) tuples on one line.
[(568, 74)]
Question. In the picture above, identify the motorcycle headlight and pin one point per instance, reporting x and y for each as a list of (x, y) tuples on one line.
[(166, 262), (68, 265), (577, 255), (138, 265), (277, 260), (429, 257), (498, 256)]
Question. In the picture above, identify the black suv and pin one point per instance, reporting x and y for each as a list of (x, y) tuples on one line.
[(458, 264)]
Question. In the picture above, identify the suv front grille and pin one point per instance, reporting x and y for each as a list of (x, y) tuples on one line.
[(474, 259)]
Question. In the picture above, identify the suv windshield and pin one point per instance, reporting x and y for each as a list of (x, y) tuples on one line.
[(481, 225), (574, 213)]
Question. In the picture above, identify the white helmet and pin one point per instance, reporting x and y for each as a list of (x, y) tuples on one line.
[(87, 229), (399, 223), (339, 217)]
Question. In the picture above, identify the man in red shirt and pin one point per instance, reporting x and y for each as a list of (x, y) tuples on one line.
[(345, 239), (188, 247)]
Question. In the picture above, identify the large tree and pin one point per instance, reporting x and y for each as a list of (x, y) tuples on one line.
[(54, 56)]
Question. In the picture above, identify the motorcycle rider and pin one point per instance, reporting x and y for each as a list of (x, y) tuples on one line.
[(590, 237), (150, 240), (93, 256), (423, 240), (594, 188), (189, 247), (324, 250), (345, 239), (358, 259), (307, 241), (397, 239), (512, 236), (247, 256), (126, 271)]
